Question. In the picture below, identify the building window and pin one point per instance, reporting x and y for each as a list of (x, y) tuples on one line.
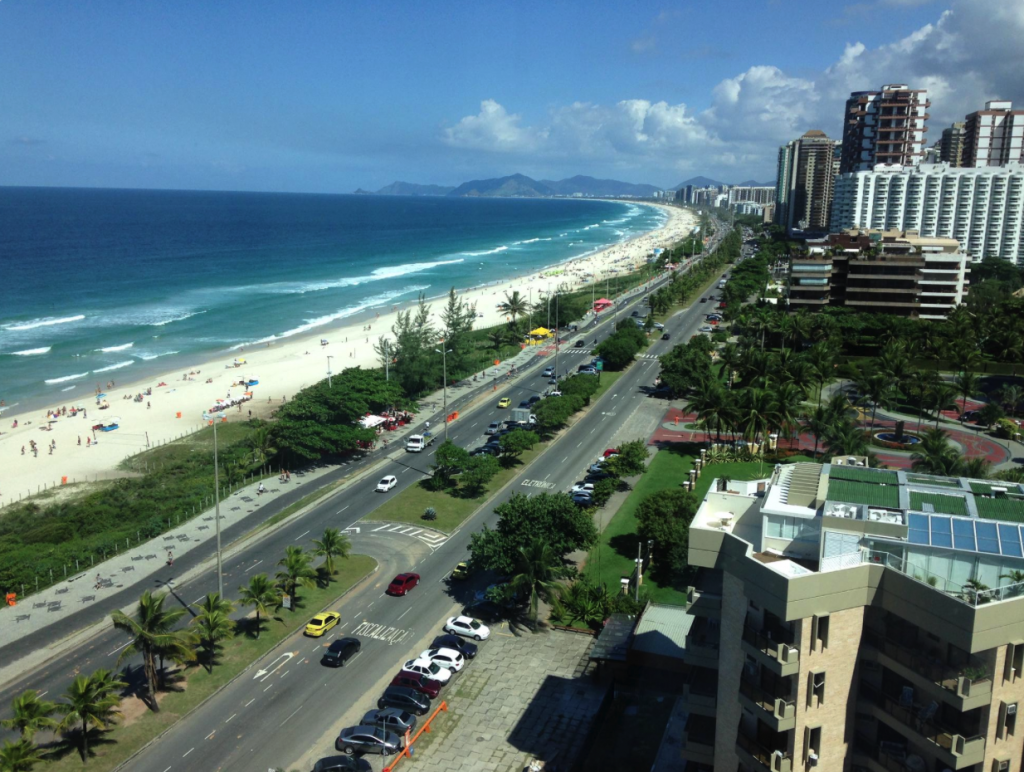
[(816, 690), (812, 745), (819, 633)]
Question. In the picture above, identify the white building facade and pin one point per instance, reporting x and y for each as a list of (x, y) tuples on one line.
[(982, 208)]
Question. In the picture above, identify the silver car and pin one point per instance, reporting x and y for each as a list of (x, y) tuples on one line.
[(397, 721), (368, 739)]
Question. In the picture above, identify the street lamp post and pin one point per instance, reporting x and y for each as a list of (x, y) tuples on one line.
[(329, 358), (216, 510), (444, 374)]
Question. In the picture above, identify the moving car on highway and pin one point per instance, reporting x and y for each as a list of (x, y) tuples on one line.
[(322, 622), (340, 652), (387, 483)]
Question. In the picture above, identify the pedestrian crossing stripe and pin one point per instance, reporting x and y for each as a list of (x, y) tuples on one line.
[(433, 539)]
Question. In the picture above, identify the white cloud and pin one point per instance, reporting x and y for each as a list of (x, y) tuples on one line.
[(493, 129), (643, 45), (969, 54)]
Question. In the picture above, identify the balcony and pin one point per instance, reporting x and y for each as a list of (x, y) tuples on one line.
[(757, 756), (702, 643), (776, 711), (885, 756), (699, 740), (771, 649), (960, 691), (947, 745)]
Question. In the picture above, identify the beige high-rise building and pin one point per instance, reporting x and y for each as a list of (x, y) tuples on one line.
[(951, 146), (994, 136), (805, 183), (884, 127), (870, 621)]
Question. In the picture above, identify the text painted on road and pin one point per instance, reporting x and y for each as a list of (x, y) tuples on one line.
[(537, 484), (389, 635)]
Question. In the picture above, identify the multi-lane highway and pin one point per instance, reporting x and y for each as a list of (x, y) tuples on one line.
[(283, 714)]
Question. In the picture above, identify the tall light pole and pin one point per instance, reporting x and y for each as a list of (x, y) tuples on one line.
[(444, 374), (329, 358), (216, 510)]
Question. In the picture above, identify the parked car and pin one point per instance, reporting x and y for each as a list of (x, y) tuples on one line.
[(493, 427), (342, 764), (467, 627), (666, 336), (609, 452), (505, 402), (402, 583), (449, 659), (404, 698), (461, 571), (428, 669), (387, 483), (393, 719), (583, 487), (417, 683), (322, 622), (486, 450), (368, 739), (582, 499), (659, 326), (635, 314), (548, 372), (461, 645), (340, 652), (533, 400), (706, 328), (552, 380)]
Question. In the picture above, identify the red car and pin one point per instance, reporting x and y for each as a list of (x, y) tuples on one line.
[(611, 452), (402, 583), (417, 683)]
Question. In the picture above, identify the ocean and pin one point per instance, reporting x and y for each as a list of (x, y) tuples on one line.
[(101, 284)]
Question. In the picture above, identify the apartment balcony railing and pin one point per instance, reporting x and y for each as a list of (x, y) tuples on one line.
[(775, 760), (891, 757), (956, 750), (778, 712), (780, 655)]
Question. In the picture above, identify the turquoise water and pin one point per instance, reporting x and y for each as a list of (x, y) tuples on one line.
[(101, 284)]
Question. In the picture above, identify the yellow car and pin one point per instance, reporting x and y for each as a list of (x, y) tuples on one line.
[(322, 622), (505, 402), (461, 571)]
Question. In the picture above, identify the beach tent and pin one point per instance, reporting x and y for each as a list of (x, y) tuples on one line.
[(370, 421), (602, 304), (541, 332)]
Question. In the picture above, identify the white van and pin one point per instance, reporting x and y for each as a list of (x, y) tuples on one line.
[(418, 442)]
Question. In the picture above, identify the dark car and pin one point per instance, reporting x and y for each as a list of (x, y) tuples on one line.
[(666, 336), (486, 450), (368, 739), (340, 652), (406, 699), (484, 610), (417, 683), (524, 403), (466, 648), (703, 300), (533, 400), (392, 719), (580, 344), (402, 583), (635, 313), (342, 764)]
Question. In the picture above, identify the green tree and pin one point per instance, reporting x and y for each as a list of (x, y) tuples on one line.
[(631, 460), (551, 517), (967, 385), (449, 460), (818, 422), (845, 438), (31, 714), (515, 305), (554, 412), (756, 414), (687, 367), (517, 442), (934, 454), (664, 518), (990, 413), (262, 595), (262, 446), (151, 632), (333, 544), (942, 396), (537, 566), (90, 702), (479, 471), (874, 389), (210, 628), (20, 756), (296, 571)]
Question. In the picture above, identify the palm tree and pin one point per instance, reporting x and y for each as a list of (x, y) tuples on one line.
[(731, 356), (1016, 581), (261, 595), (151, 634), (537, 568), (712, 404), (214, 603), (515, 305), (976, 468), (844, 438), (942, 396), (967, 384), (973, 589), (934, 455), (1011, 396), (331, 545), (296, 571), (821, 359), (262, 448), (818, 422), (756, 413), (91, 701), (875, 389), (920, 383), (30, 714), (20, 756), (786, 401), (211, 628), (497, 338)]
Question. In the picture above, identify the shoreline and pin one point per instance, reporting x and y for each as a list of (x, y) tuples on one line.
[(283, 367)]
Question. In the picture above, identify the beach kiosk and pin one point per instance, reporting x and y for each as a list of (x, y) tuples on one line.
[(602, 305), (539, 335)]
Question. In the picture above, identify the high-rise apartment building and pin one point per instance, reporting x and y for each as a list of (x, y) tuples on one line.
[(982, 208), (863, 621), (994, 136), (888, 272), (756, 195), (884, 127), (804, 183), (951, 146)]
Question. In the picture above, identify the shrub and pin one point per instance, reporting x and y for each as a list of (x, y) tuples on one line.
[(430, 513)]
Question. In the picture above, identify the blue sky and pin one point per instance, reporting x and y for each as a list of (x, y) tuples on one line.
[(329, 96)]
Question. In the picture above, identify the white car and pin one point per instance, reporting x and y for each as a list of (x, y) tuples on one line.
[(468, 628), (494, 428), (659, 326), (548, 372), (387, 483), (587, 488), (446, 658), (428, 669), (706, 328)]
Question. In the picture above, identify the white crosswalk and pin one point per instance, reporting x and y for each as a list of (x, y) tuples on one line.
[(432, 539)]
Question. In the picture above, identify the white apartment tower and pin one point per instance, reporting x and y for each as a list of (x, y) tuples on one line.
[(994, 136)]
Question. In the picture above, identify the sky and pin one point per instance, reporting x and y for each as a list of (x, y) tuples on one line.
[(332, 95)]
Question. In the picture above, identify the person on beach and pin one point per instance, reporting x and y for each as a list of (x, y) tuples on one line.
[(79, 439)]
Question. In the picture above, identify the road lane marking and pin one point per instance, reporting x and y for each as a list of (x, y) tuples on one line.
[(250, 568), (386, 525), (198, 599), (271, 684), (286, 672), (264, 673), (192, 749), (302, 535), (579, 443), (289, 717), (565, 459), (404, 613), (344, 508), (111, 654), (231, 717), (250, 702)]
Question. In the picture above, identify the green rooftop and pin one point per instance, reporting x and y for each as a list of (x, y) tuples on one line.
[(852, 492), (923, 479), (947, 505), (862, 474), (1011, 510)]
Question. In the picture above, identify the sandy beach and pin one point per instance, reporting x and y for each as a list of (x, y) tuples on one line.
[(178, 399)]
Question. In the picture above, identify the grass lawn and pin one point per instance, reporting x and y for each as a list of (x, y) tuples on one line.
[(613, 556), (238, 653)]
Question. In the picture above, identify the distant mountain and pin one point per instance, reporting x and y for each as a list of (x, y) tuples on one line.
[(753, 184), (515, 185), (408, 189), (699, 182), (589, 186)]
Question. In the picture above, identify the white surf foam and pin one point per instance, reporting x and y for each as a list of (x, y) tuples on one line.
[(118, 366), (66, 378), (31, 352), (180, 318), (148, 357), (44, 323), (122, 347), (69, 388), (494, 251)]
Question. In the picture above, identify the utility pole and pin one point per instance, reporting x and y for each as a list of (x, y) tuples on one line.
[(444, 374), (216, 510), (329, 358), (638, 570)]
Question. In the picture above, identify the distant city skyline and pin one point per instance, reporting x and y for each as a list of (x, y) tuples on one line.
[(333, 97)]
